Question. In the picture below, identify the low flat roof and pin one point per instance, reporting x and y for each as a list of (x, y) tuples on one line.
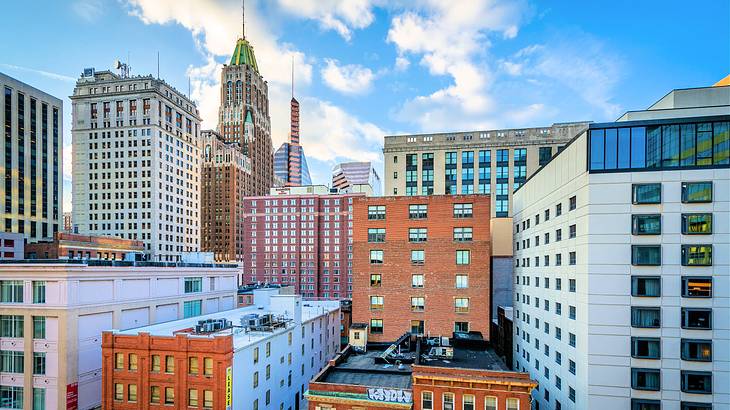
[(469, 358), (361, 370), (120, 264)]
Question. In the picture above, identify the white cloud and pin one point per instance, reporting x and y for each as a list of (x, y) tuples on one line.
[(47, 74), (89, 10), (401, 63), (341, 16), (348, 79)]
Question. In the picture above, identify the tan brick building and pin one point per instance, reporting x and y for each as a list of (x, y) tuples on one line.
[(421, 264)]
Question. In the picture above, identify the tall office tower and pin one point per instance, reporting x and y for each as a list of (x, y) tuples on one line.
[(300, 236), (348, 174), (243, 117), (290, 163), (479, 162), (224, 173), (136, 162), (421, 265), (32, 124), (622, 245)]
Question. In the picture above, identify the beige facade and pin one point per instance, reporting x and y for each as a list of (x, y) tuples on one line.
[(439, 155), (52, 316)]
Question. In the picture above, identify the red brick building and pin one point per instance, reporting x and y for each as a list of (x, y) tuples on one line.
[(421, 264), (75, 246), (300, 236)]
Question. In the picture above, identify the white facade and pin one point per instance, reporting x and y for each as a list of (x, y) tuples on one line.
[(136, 163), (60, 310), (579, 324)]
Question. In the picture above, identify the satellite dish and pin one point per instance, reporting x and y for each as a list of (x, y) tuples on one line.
[(117, 64)]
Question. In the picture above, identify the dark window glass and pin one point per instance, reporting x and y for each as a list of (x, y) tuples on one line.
[(687, 147), (696, 255), (611, 149), (646, 224), (696, 287), (696, 224), (641, 404), (597, 149), (646, 255), (647, 317), (686, 405), (643, 286), (696, 192), (646, 348), (638, 147), (697, 350), (645, 379), (721, 155), (696, 382), (646, 194), (653, 146), (624, 148), (545, 154), (704, 144), (670, 145), (696, 318)]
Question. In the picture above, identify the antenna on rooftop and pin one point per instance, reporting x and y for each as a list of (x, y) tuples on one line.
[(292, 75), (123, 68), (158, 65), (243, 19)]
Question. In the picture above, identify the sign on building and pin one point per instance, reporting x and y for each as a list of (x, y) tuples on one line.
[(390, 395)]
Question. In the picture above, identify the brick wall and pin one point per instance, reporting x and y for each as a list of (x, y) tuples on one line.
[(439, 269)]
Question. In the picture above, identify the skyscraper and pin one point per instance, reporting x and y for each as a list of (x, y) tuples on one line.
[(32, 131), (290, 164), (347, 175), (244, 116), (136, 162)]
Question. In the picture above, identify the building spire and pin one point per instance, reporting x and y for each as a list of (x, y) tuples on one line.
[(292, 75), (243, 19)]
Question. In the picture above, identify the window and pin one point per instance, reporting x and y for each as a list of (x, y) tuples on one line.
[(39, 363), (558, 209), (39, 327), (558, 235), (417, 211), (641, 404), (417, 280), (645, 317), (375, 279), (376, 302), (646, 194), (376, 212), (545, 154), (193, 367), (697, 350), (418, 257), (192, 308), (696, 382), (193, 285), (119, 361), (193, 397), (154, 394), (513, 404), (448, 401), (463, 234), (418, 304), (11, 397), (255, 379), (461, 326), (646, 286), (572, 259), (696, 287), (571, 231), (417, 327), (427, 400), (646, 224), (376, 235), (376, 257), (490, 403), (462, 281), (469, 402), (11, 291), (39, 398), (11, 326), (696, 192), (695, 406), (376, 326), (461, 305), (11, 361), (646, 348), (696, 224), (118, 391), (572, 203), (571, 366), (132, 393), (133, 361), (697, 255), (417, 234), (645, 379), (571, 312), (169, 364), (646, 255), (169, 395), (39, 292), (463, 210), (571, 339), (696, 318), (571, 285), (463, 257)]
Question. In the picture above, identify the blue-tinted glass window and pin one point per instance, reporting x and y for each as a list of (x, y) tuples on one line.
[(653, 146), (638, 147), (646, 194), (687, 147), (597, 149), (704, 144), (670, 145), (624, 148), (722, 143), (611, 149)]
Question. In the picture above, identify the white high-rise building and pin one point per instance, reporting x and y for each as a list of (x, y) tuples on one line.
[(136, 162), (622, 250)]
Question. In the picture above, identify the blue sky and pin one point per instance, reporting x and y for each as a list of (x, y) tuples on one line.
[(368, 68)]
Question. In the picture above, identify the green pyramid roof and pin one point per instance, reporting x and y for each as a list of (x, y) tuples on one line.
[(248, 117), (243, 54)]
